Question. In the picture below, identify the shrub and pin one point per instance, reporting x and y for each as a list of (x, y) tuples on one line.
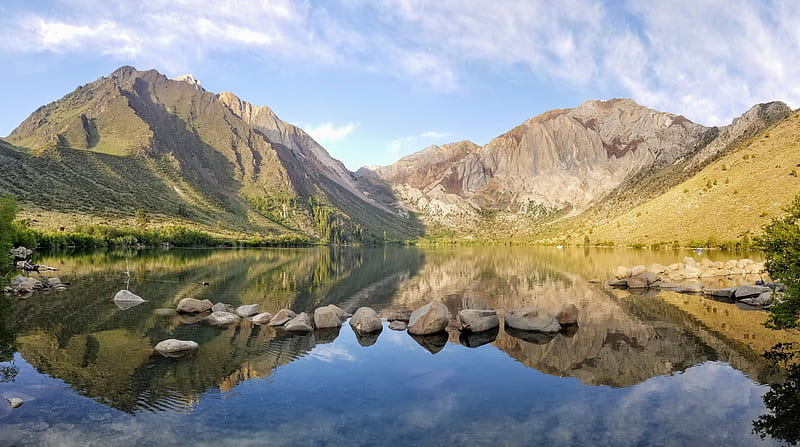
[(781, 244)]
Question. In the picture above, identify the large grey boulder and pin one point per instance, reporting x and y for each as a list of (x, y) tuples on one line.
[(175, 348), (747, 290), (191, 305), (282, 317), (247, 310), (329, 316), (618, 283), (532, 319), (366, 321), (476, 320), (567, 315), (262, 318), (300, 323), (429, 319), (222, 318), (726, 292)]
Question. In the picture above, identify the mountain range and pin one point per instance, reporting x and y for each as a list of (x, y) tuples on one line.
[(136, 139)]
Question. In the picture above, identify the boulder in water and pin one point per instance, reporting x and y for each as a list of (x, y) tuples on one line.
[(429, 319), (366, 321), (192, 305), (532, 319), (175, 348), (475, 320)]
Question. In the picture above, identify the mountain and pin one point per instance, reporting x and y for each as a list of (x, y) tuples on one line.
[(136, 139), (601, 158), (729, 199)]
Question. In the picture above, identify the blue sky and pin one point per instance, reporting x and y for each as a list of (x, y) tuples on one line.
[(376, 80)]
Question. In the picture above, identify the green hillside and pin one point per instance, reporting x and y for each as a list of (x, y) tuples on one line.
[(136, 139)]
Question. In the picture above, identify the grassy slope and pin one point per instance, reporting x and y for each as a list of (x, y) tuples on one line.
[(67, 187), (728, 199)]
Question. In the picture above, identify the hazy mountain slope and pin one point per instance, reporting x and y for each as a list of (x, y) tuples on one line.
[(729, 199), (197, 149)]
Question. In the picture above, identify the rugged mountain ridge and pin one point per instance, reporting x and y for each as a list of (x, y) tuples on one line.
[(225, 159), (563, 163)]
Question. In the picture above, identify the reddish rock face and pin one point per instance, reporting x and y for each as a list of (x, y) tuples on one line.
[(561, 160)]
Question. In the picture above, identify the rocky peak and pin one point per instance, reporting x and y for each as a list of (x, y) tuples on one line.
[(191, 80)]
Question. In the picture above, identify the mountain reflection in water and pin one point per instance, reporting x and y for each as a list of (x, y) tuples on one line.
[(80, 337)]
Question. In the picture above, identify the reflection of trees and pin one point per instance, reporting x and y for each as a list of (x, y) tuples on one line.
[(81, 337), (8, 370), (782, 400)]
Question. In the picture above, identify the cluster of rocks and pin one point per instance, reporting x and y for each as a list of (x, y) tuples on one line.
[(640, 276), (23, 285), (427, 324), (753, 295), (674, 277)]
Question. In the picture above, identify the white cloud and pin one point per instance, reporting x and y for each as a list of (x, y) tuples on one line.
[(709, 60), (329, 132)]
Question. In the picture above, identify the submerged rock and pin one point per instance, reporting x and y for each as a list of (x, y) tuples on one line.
[(222, 318), (475, 320), (175, 348), (282, 317), (567, 315), (398, 325), (300, 323), (165, 312), (366, 321), (532, 319), (247, 310), (191, 305), (690, 288), (429, 319), (15, 402)]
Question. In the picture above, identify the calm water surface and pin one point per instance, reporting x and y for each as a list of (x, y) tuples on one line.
[(642, 369)]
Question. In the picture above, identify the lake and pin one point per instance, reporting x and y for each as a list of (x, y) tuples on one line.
[(650, 368)]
